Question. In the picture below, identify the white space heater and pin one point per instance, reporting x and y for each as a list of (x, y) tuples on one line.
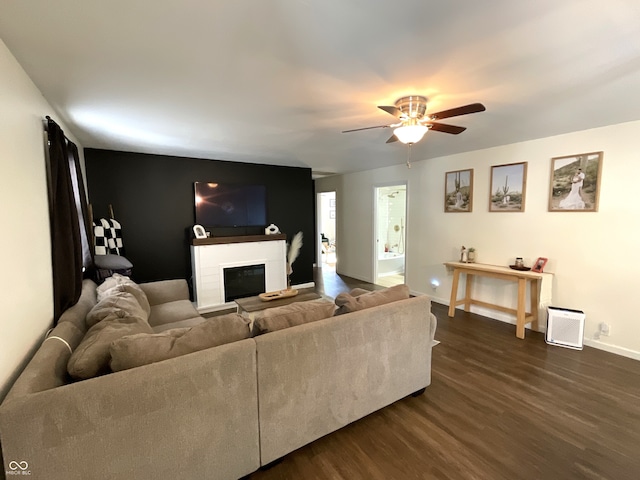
[(565, 327)]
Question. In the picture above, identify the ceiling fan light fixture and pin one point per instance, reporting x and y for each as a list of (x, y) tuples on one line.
[(410, 133)]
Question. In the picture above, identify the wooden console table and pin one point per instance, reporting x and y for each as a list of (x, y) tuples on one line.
[(505, 273)]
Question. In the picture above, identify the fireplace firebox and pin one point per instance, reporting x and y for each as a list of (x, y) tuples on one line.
[(243, 281)]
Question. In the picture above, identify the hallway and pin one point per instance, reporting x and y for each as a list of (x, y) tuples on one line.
[(330, 283)]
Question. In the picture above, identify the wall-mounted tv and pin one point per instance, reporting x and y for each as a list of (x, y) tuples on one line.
[(230, 205)]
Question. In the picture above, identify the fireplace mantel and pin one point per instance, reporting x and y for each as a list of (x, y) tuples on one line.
[(237, 239), (210, 256)]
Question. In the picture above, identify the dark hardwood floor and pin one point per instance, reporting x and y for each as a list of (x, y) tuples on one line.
[(331, 284), (497, 408)]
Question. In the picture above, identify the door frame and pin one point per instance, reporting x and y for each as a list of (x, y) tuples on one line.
[(319, 220), (376, 186)]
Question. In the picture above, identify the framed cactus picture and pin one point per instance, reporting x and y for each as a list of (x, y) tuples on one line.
[(458, 191), (508, 187)]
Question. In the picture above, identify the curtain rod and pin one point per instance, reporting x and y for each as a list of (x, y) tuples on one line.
[(52, 120), (46, 128)]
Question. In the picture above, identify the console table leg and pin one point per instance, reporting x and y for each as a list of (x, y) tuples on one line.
[(454, 292), (467, 292), (535, 286), (522, 298)]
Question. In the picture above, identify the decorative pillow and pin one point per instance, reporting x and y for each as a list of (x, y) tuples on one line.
[(119, 304), (142, 349), (91, 358), (109, 283), (137, 292), (120, 283), (277, 318), (348, 303)]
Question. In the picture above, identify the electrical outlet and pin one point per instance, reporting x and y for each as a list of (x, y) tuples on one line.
[(605, 330)]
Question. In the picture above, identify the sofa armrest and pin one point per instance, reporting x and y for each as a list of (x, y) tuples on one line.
[(187, 417), (433, 326), (164, 291)]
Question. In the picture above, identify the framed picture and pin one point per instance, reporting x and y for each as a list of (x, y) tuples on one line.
[(199, 232), (332, 202), (458, 191), (508, 187), (575, 183), (539, 264), (332, 213)]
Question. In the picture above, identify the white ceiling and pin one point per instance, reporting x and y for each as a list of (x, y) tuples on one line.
[(276, 81)]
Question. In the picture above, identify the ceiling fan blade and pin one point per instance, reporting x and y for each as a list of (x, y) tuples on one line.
[(365, 128), (443, 127), (454, 112), (392, 110), (392, 139)]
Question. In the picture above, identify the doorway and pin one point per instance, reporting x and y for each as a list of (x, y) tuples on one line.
[(326, 248), (390, 220)]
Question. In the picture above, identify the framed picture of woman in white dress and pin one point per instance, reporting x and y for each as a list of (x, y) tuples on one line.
[(575, 183)]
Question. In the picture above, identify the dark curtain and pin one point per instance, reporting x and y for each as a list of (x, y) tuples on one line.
[(82, 208), (66, 237)]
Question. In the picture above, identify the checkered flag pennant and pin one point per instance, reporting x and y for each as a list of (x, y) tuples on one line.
[(114, 238), (99, 239), (108, 237)]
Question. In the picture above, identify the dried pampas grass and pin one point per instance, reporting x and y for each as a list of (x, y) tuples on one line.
[(294, 251)]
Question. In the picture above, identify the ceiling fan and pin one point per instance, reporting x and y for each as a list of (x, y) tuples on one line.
[(414, 122)]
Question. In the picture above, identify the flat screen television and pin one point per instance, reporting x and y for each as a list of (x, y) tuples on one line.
[(230, 205)]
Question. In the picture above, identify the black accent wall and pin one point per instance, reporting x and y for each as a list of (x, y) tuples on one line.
[(153, 198)]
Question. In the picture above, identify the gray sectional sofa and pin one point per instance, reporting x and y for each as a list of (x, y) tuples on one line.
[(218, 413)]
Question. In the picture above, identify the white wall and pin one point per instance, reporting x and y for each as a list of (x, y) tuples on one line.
[(25, 277), (592, 254)]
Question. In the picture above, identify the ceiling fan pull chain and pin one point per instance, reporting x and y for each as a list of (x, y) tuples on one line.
[(409, 157)]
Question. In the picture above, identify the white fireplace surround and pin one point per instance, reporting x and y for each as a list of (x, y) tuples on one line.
[(208, 261)]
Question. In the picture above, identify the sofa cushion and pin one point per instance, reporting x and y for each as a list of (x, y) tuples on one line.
[(92, 357), (163, 291), (189, 322), (120, 304), (356, 292), (348, 303), (142, 349), (171, 312), (120, 283), (277, 318)]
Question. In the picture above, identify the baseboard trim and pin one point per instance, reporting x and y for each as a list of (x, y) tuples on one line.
[(607, 347), (492, 314)]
